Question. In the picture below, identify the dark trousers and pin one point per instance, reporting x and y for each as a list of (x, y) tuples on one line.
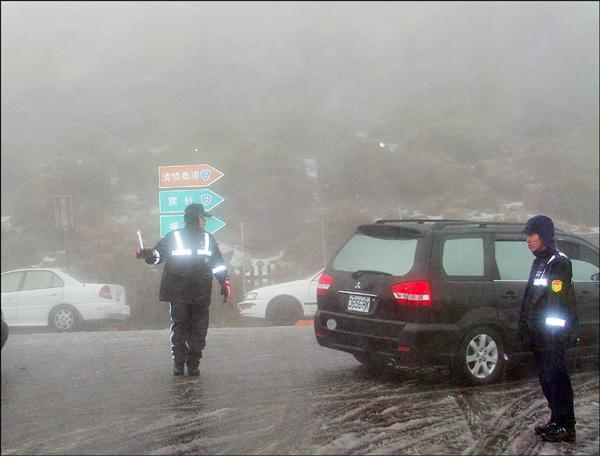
[(189, 326), (556, 384)]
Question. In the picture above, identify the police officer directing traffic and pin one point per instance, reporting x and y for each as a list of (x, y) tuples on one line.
[(192, 258), (548, 323)]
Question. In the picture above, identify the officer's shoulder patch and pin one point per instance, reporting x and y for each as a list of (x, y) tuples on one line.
[(557, 286)]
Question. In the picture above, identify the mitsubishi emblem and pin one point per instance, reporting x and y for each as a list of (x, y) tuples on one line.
[(357, 285)]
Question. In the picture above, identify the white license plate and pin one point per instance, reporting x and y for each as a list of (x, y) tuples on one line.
[(359, 303)]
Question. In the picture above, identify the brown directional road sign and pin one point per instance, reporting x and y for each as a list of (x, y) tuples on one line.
[(187, 176)]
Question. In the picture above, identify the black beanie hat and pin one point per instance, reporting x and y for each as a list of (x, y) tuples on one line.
[(544, 228), (192, 212)]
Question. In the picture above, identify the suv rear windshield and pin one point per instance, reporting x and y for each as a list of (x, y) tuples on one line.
[(393, 253)]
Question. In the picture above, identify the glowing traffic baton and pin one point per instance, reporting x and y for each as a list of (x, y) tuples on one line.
[(139, 235)]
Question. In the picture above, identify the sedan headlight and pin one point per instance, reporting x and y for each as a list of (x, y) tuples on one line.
[(250, 296)]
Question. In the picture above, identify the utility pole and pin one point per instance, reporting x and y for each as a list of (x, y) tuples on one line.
[(63, 213), (243, 260), (323, 244), (67, 263), (312, 172)]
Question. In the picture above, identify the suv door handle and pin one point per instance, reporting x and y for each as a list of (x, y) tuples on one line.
[(509, 295), (584, 294)]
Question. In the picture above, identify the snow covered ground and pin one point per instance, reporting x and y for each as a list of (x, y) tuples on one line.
[(266, 390)]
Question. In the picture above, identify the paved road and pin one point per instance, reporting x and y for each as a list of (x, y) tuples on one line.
[(267, 390)]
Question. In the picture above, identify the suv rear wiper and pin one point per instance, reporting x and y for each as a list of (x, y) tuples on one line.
[(357, 274)]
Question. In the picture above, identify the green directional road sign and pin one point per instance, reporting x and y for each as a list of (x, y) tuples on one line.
[(175, 221), (173, 201)]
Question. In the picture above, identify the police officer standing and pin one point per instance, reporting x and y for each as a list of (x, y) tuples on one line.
[(548, 323), (192, 258)]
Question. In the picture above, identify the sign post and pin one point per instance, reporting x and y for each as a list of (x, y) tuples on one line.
[(174, 201), (187, 176), (63, 216), (63, 212), (186, 184)]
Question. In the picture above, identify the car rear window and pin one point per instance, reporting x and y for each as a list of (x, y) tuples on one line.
[(73, 276), (513, 259), (463, 257), (391, 253)]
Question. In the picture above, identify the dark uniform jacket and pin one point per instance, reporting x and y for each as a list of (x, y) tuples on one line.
[(192, 257), (548, 312)]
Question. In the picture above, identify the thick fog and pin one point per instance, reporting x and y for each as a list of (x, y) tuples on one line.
[(162, 74), (320, 115)]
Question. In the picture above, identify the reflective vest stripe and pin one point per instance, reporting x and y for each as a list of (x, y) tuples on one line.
[(219, 269), (543, 281), (206, 251), (553, 257), (180, 250), (551, 321)]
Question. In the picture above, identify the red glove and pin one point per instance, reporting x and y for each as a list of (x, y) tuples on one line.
[(146, 254), (226, 290)]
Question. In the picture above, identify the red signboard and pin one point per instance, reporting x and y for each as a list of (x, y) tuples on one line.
[(187, 176), (63, 211)]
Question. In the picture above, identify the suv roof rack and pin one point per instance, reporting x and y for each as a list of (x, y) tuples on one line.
[(418, 220), (441, 223)]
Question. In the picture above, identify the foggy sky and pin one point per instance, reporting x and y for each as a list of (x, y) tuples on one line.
[(76, 73)]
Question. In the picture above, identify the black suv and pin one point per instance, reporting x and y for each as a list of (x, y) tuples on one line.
[(441, 292)]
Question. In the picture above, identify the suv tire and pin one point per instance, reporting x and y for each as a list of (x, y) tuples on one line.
[(480, 358)]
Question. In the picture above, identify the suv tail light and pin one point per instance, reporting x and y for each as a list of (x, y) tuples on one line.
[(105, 292), (325, 283), (412, 293)]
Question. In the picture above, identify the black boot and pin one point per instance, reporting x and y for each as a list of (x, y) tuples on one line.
[(192, 366), (560, 434), (542, 428), (177, 369)]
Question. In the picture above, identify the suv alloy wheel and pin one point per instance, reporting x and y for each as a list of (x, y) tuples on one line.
[(481, 358)]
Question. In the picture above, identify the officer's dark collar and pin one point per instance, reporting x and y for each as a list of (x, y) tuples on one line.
[(193, 228), (544, 254)]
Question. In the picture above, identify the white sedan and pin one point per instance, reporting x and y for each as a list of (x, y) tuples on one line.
[(283, 303), (51, 297)]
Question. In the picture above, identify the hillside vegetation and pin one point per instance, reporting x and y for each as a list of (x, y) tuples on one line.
[(392, 119)]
